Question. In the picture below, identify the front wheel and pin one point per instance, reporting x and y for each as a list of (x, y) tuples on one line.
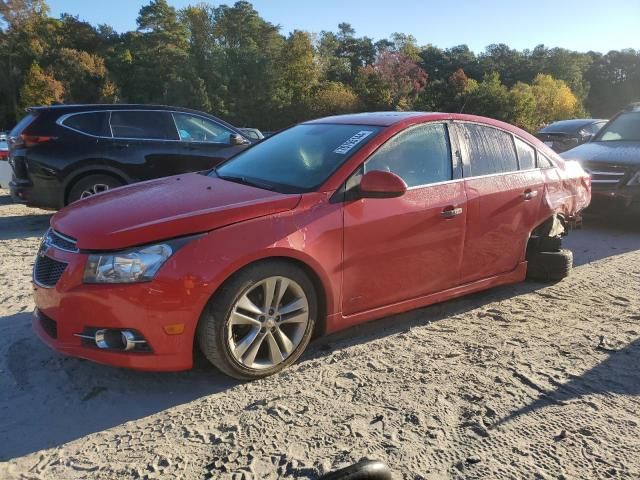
[(260, 321)]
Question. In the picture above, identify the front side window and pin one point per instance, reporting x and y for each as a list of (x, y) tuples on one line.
[(298, 159), (92, 123), (147, 125), (192, 128), (490, 150), (625, 127), (420, 155), (526, 155)]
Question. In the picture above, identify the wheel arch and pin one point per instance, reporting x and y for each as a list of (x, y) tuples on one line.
[(78, 175), (307, 265)]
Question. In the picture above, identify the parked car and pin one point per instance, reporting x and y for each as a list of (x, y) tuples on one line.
[(566, 134), (62, 153), (324, 225), (5, 169), (253, 134), (613, 159)]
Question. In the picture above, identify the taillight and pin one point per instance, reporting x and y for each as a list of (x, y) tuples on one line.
[(32, 140), (4, 155)]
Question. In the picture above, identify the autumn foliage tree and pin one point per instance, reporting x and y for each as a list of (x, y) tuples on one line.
[(229, 60)]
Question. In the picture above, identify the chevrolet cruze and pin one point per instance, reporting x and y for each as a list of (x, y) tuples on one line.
[(330, 223)]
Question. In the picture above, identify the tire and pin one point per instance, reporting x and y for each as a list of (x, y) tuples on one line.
[(549, 266), (237, 331), (363, 470), (92, 183)]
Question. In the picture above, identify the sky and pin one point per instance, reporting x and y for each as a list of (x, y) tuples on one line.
[(581, 25)]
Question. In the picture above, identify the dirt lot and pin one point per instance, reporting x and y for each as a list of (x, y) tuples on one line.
[(525, 381)]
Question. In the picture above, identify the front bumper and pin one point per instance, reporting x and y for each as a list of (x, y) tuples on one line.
[(71, 307), (614, 196)]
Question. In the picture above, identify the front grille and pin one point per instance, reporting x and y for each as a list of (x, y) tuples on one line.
[(62, 242), (606, 175), (47, 271), (48, 325)]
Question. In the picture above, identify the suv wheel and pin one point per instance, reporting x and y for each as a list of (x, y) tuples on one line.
[(260, 321), (91, 185)]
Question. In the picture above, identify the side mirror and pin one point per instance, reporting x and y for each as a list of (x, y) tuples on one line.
[(237, 139), (379, 184)]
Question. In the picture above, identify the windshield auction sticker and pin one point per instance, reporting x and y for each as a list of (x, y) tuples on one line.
[(352, 142)]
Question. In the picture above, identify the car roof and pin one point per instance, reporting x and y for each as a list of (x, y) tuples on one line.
[(382, 119), (570, 125), (93, 107)]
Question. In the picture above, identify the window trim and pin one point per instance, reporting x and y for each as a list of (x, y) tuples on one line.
[(513, 135), (61, 119), (455, 169)]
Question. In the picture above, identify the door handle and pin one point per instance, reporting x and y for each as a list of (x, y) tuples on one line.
[(451, 212), (530, 194), (122, 146)]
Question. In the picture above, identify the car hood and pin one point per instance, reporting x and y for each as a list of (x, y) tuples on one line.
[(165, 208), (615, 153)]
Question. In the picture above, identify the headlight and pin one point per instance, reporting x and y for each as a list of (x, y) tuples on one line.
[(129, 266), (635, 180)]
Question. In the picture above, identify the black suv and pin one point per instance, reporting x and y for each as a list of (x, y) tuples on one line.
[(612, 158), (62, 153)]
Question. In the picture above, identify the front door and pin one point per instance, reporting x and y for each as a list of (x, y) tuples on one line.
[(397, 249), (204, 143)]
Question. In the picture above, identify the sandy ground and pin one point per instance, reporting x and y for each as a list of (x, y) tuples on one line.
[(525, 381)]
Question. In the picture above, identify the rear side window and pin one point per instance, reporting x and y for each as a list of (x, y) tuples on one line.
[(93, 123), (490, 150), (419, 155), (148, 125), (526, 155), (543, 161)]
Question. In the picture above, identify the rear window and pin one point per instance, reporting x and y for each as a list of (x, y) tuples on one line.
[(22, 124), (490, 150), (148, 125), (526, 155), (93, 123)]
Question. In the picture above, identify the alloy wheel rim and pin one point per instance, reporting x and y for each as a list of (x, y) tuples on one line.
[(267, 323), (97, 188)]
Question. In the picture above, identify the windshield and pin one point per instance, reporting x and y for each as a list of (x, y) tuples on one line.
[(625, 127), (299, 159)]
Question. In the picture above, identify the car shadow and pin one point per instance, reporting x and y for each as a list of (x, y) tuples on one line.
[(5, 199), (24, 226), (48, 399), (603, 237), (618, 374)]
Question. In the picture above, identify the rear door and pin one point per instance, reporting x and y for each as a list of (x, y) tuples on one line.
[(204, 142), (145, 142), (397, 249), (504, 190)]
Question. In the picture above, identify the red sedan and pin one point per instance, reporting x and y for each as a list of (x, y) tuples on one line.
[(328, 224)]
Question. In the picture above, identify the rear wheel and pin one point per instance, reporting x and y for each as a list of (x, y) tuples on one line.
[(260, 321), (549, 266), (91, 185)]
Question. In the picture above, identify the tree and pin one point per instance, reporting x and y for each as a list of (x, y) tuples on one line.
[(393, 81), (554, 99), (332, 98), (489, 98), (39, 88)]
